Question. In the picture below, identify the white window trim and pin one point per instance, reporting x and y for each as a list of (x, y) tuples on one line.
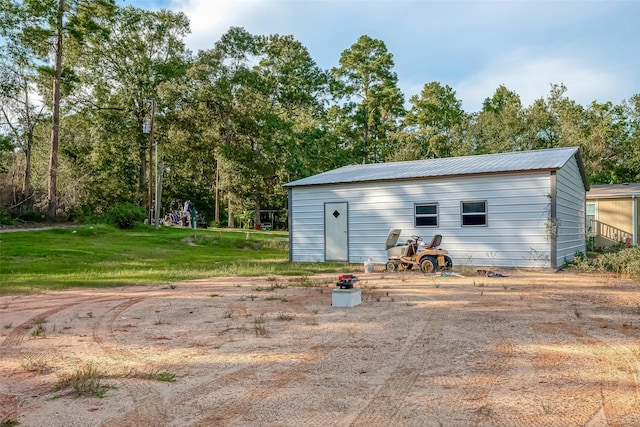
[(486, 213), (436, 215)]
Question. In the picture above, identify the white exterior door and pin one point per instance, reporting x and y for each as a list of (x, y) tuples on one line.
[(336, 236)]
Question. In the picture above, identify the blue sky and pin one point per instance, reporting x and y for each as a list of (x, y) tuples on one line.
[(473, 46)]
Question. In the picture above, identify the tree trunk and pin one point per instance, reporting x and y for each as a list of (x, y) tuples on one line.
[(230, 223), (52, 200), (256, 215), (142, 178), (26, 182), (216, 214)]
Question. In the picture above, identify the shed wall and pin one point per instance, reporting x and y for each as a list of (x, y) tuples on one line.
[(571, 213), (518, 207)]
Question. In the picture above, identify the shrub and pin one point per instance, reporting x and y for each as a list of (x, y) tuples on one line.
[(6, 218), (624, 262), (124, 215)]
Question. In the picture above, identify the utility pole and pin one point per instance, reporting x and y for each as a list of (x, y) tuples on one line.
[(151, 204)]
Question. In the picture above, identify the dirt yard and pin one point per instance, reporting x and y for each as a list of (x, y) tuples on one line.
[(530, 349)]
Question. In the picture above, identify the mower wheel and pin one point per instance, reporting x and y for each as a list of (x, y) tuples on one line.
[(428, 264), (391, 266), (448, 263)]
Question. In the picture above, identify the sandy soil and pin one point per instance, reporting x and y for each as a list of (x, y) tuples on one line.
[(530, 349)]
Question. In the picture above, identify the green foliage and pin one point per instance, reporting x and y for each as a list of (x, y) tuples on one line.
[(103, 256), (124, 215), (85, 382), (625, 262), (235, 122), (6, 218), (164, 376), (369, 101)]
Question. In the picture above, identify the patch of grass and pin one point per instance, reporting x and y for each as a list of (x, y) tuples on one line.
[(577, 312), (39, 330), (276, 299), (164, 376), (35, 363), (85, 382), (270, 288), (9, 423), (259, 326), (305, 282), (285, 316), (104, 256)]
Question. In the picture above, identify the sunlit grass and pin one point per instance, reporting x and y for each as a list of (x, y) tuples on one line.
[(102, 256)]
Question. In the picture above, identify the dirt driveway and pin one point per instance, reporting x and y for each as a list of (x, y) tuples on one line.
[(530, 349)]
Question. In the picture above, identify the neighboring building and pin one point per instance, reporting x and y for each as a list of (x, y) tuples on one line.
[(612, 214), (524, 209)]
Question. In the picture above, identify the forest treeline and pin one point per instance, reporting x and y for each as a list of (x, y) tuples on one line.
[(81, 78)]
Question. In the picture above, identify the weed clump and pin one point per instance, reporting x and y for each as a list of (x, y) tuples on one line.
[(85, 382), (625, 262)]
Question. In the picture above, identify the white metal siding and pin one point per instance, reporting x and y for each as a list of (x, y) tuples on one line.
[(518, 208), (571, 206)]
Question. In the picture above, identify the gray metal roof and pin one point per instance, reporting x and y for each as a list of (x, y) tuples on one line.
[(517, 161), (614, 190)]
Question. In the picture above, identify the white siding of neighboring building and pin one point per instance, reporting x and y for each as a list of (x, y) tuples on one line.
[(571, 215), (518, 207)]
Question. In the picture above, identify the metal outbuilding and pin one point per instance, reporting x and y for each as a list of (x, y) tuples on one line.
[(523, 209)]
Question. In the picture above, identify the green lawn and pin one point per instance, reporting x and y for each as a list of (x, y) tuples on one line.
[(103, 256)]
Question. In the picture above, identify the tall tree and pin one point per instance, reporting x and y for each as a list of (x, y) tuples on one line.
[(369, 102), (259, 97), (428, 124), (500, 125), (20, 113), (604, 143), (121, 75), (632, 147), (44, 27)]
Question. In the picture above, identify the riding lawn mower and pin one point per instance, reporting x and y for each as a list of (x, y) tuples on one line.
[(415, 252)]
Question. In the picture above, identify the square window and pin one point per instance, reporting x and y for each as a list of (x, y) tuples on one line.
[(426, 215), (474, 213)]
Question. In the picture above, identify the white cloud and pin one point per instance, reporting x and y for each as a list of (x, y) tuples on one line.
[(472, 46), (210, 19), (531, 78)]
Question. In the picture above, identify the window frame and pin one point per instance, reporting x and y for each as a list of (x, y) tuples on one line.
[(484, 214), (436, 215)]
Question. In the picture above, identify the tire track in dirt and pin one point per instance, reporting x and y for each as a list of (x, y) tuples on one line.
[(549, 360), (105, 323), (149, 408), (148, 403), (600, 380), (235, 411), (384, 406), (485, 379), (17, 335), (232, 408), (619, 387)]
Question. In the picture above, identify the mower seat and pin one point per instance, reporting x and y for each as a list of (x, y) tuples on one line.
[(435, 242)]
